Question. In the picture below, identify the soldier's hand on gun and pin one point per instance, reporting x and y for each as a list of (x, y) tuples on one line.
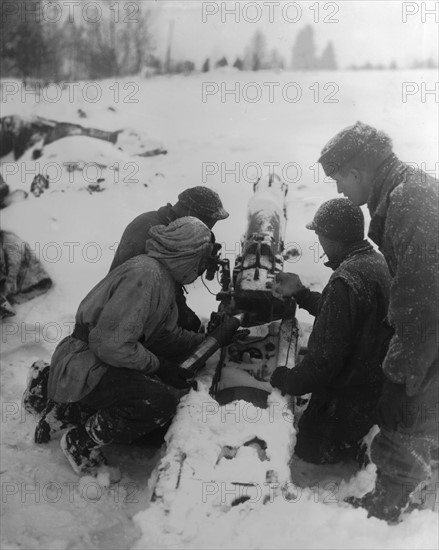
[(286, 285), (175, 376)]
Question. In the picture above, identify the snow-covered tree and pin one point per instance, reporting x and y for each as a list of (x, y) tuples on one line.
[(327, 60), (256, 54), (206, 66), (222, 62), (304, 50), (238, 64), (276, 61)]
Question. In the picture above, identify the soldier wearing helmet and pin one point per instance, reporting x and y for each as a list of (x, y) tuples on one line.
[(342, 365), (200, 202)]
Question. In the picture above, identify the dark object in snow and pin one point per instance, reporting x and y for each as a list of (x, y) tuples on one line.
[(95, 188), (22, 277), (81, 113), (65, 129), (153, 152), (18, 133), (112, 109), (4, 191), (39, 185)]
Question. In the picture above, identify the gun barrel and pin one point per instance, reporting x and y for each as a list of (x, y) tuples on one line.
[(262, 249)]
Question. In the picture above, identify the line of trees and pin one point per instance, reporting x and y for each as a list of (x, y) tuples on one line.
[(122, 43), (78, 46), (304, 57)]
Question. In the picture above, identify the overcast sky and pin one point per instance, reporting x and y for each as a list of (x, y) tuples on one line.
[(371, 30)]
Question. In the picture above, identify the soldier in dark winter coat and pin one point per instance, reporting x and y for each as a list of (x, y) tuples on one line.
[(112, 379), (403, 203), (200, 202), (342, 366)]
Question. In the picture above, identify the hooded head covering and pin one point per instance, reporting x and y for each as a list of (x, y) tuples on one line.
[(182, 247)]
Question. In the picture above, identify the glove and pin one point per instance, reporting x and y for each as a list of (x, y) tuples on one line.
[(286, 285), (173, 375), (279, 379), (240, 335)]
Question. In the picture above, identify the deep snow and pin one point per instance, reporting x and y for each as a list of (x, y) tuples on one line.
[(75, 233)]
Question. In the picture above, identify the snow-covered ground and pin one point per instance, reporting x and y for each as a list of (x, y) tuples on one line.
[(213, 138)]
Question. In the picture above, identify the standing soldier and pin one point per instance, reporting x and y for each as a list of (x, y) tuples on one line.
[(403, 204)]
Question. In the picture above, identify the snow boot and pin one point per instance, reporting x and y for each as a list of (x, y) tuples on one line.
[(35, 394), (83, 453), (57, 417), (387, 501), (361, 454)]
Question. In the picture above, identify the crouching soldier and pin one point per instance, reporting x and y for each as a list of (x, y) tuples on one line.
[(200, 202), (342, 366), (113, 380)]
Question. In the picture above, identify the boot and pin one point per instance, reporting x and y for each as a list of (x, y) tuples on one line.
[(35, 394), (387, 501), (361, 454), (57, 417), (83, 453)]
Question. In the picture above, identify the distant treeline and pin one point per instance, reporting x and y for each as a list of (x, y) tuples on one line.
[(87, 44)]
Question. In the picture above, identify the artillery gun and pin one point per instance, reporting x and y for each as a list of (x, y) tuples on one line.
[(234, 436)]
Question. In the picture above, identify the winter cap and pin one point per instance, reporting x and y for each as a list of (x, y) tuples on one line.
[(182, 246), (202, 201), (339, 220), (349, 142)]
